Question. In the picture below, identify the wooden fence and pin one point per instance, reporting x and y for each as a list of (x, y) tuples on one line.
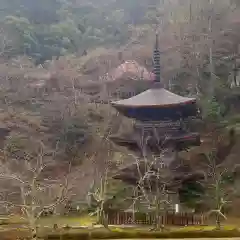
[(178, 219)]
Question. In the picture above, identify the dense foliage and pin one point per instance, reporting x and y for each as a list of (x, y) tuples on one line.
[(204, 37), (54, 28)]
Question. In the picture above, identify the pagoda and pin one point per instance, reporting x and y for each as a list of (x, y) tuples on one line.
[(160, 116), (160, 126)]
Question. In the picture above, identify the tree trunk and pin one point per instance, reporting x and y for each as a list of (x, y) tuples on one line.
[(158, 223), (218, 204), (98, 215), (212, 70), (218, 222), (34, 233)]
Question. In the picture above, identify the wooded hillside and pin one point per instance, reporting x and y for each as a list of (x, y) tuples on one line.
[(60, 62)]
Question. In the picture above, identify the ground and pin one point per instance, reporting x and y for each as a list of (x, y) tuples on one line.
[(15, 227)]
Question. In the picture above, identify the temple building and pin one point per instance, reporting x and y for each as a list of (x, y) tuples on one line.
[(160, 131)]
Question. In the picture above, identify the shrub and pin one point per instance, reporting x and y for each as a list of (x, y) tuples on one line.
[(69, 236), (131, 234)]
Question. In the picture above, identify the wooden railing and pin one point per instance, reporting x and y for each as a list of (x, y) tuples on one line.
[(178, 219)]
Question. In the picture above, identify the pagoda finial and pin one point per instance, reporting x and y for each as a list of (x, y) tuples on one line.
[(156, 41), (156, 61)]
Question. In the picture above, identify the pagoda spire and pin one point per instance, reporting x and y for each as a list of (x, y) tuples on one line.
[(156, 61)]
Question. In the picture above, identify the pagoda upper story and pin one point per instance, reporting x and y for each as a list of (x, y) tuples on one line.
[(157, 104)]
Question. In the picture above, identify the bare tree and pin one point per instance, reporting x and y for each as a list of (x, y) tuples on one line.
[(99, 194), (5, 43), (154, 180), (102, 164), (219, 176), (152, 175), (31, 187), (219, 189)]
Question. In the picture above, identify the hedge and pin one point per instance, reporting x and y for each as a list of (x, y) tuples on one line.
[(144, 234)]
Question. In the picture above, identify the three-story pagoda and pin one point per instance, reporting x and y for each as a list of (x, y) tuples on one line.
[(160, 123)]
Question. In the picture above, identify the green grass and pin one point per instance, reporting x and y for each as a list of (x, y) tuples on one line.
[(75, 223), (122, 233), (87, 221), (84, 220), (205, 228), (70, 221), (140, 234)]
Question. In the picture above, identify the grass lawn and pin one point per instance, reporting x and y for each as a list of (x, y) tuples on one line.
[(70, 221), (116, 232), (15, 229), (59, 220), (87, 221)]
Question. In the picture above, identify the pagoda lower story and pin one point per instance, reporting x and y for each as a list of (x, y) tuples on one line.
[(156, 147)]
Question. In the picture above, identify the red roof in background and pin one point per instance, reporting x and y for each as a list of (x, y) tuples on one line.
[(131, 68), (235, 17)]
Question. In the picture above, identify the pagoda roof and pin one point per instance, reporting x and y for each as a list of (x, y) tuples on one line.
[(156, 97), (157, 104)]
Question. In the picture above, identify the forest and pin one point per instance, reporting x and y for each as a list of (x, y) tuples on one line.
[(62, 63)]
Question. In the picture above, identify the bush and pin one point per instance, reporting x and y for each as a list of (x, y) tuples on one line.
[(130, 234), (67, 236)]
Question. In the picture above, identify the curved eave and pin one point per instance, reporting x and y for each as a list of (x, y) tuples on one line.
[(154, 98), (116, 104), (173, 112)]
